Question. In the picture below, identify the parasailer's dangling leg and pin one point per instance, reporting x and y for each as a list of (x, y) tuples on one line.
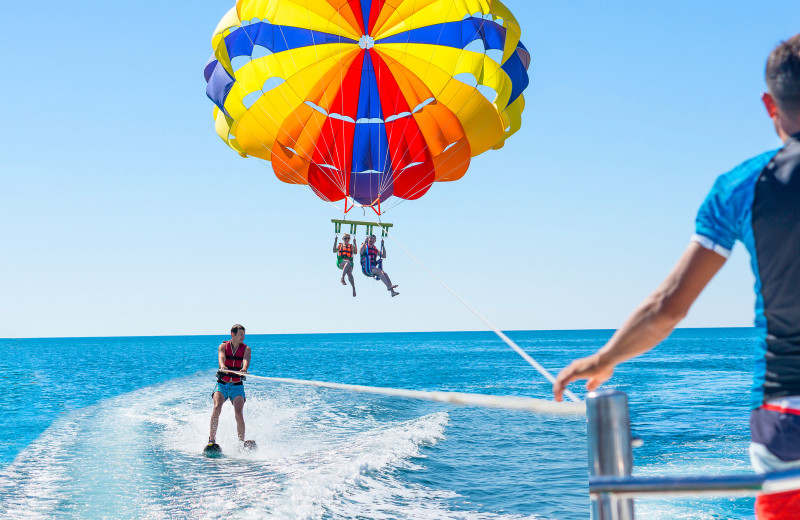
[(384, 277), (347, 269), (345, 253)]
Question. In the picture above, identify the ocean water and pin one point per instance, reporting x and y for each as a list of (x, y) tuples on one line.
[(114, 427)]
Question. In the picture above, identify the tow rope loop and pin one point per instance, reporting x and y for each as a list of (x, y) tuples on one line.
[(543, 371), (506, 402)]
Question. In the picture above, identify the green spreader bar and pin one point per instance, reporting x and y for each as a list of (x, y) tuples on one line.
[(355, 223)]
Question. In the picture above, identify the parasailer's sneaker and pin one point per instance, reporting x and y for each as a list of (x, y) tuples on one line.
[(394, 293)]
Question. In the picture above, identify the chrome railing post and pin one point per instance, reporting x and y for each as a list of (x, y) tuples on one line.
[(610, 453)]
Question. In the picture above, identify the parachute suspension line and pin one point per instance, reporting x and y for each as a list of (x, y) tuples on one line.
[(507, 402), (413, 193), (401, 201), (309, 187), (508, 341)]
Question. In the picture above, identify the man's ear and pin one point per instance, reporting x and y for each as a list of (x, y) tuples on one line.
[(769, 104)]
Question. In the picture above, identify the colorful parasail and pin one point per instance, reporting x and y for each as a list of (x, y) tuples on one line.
[(364, 100)]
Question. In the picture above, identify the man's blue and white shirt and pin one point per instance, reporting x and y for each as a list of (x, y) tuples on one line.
[(758, 203)]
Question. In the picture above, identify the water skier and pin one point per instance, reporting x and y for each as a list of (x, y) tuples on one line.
[(231, 355), (757, 203)]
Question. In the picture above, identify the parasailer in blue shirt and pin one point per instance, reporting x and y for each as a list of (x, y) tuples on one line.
[(372, 263)]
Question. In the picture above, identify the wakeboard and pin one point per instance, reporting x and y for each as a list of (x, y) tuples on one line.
[(212, 450)]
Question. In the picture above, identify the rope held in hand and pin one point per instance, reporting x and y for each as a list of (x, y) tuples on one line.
[(506, 402)]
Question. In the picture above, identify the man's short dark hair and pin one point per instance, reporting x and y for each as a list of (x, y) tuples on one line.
[(236, 328), (783, 75)]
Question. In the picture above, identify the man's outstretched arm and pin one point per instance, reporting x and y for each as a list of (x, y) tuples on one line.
[(650, 323)]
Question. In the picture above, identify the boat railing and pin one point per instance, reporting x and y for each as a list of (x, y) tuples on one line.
[(612, 487)]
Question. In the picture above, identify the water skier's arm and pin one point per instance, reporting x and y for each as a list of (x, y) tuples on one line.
[(650, 323), (221, 357)]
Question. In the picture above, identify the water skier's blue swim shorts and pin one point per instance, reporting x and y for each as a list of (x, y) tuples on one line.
[(229, 390)]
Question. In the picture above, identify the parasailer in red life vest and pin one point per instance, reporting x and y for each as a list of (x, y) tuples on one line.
[(232, 355), (345, 252)]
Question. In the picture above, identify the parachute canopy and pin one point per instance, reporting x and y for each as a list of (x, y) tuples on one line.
[(367, 99)]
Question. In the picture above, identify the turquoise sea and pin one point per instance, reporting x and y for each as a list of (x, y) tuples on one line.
[(114, 427)]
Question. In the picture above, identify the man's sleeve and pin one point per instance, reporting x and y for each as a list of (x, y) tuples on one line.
[(715, 225), (725, 212)]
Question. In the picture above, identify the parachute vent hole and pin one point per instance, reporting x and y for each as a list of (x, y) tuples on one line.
[(272, 83), (342, 118), (423, 104), (259, 52), (366, 42), (317, 108), (488, 92), (395, 117), (496, 55), (251, 98), (467, 78), (239, 61), (410, 165), (476, 45)]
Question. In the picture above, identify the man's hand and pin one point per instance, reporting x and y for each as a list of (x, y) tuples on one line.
[(588, 368)]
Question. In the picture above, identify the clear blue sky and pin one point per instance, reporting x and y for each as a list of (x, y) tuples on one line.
[(124, 214)]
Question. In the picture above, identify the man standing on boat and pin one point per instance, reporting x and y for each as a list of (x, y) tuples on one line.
[(757, 203), (231, 355)]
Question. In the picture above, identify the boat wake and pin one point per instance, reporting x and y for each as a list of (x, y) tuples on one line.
[(322, 454)]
